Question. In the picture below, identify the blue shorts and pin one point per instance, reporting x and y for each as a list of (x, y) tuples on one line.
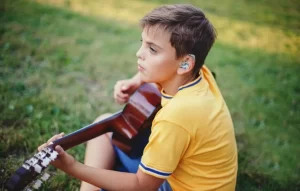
[(130, 162)]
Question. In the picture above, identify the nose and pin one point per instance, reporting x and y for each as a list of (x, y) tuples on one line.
[(139, 54)]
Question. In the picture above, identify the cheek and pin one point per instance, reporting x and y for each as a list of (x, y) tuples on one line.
[(157, 64), (160, 60), (166, 63), (162, 67)]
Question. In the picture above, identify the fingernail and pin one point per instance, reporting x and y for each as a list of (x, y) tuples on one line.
[(57, 148), (50, 143)]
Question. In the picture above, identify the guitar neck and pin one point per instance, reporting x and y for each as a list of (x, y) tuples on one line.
[(126, 124), (87, 133)]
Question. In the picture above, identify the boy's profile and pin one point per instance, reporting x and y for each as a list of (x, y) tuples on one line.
[(192, 145)]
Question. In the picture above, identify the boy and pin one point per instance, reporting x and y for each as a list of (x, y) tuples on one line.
[(192, 143)]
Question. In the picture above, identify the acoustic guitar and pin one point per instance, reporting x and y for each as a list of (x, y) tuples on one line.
[(136, 116)]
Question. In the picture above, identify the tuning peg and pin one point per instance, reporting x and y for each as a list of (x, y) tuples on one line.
[(45, 162), (40, 155), (26, 166), (37, 184), (45, 177), (51, 153), (37, 168), (32, 161)]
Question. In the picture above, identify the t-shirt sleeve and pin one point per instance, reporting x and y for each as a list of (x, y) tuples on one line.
[(167, 144)]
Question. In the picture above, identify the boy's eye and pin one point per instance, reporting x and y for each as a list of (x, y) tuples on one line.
[(152, 50)]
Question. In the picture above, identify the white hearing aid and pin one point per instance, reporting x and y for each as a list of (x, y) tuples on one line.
[(184, 65)]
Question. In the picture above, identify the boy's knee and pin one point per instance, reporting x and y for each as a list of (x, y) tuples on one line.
[(101, 117)]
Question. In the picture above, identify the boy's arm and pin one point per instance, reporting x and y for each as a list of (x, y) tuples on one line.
[(107, 179), (137, 79), (125, 88), (113, 180)]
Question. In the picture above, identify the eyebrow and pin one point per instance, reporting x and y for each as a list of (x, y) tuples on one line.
[(151, 43)]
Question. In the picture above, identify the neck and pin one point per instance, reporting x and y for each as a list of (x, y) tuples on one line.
[(171, 87)]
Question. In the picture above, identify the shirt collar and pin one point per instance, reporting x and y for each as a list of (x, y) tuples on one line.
[(181, 90)]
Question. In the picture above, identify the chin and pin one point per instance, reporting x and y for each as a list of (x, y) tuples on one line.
[(147, 80)]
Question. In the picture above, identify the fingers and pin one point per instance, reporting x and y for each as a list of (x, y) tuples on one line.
[(120, 99), (55, 137), (59, 149), (42, 146), (122, 85), (50, 141), (120, 94)]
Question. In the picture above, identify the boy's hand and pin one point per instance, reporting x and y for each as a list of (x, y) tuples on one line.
[(64, 160), (124, 88)]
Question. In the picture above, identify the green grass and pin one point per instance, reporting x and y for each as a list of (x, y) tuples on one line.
[(58, 66)]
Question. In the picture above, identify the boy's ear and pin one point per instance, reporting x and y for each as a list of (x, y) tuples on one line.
[(186, 65)]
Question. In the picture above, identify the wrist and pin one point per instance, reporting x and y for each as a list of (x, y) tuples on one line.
[(137, 80), (71, 167)]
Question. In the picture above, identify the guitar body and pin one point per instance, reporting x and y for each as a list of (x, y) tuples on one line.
[(136, 117)]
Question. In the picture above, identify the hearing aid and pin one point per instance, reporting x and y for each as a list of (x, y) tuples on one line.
[(185, 65)]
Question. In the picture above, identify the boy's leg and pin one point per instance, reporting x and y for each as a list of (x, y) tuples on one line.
[(99, 154)]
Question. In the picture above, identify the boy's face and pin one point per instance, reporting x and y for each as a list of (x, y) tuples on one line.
[(157, 60)]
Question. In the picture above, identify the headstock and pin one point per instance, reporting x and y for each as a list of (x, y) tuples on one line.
[(31, 170)]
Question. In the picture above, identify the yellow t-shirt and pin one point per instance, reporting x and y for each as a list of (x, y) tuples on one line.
[(192, 142)]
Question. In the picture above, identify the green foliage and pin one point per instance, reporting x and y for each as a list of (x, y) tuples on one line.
[(58, 69)]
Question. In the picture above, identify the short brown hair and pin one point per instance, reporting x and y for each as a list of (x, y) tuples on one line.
[(191, 32)]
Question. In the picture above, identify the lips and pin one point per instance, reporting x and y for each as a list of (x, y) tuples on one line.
[(140, 68)]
